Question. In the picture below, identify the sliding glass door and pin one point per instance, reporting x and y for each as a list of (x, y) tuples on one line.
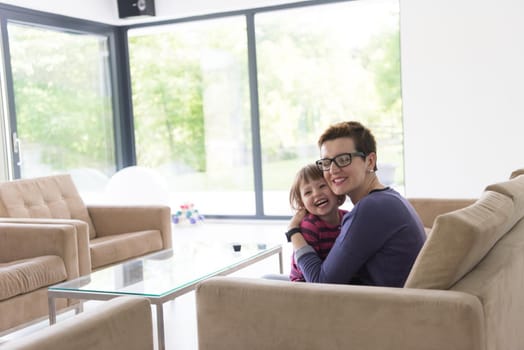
[(63, 102)]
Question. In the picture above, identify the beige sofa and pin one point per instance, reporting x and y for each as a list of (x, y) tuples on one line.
[(465, 291), (101, 235), (122, 323)]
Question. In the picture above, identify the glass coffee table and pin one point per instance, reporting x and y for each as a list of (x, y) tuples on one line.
[(162, 276)]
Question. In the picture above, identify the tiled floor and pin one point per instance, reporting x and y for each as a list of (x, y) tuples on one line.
[(180, 314)]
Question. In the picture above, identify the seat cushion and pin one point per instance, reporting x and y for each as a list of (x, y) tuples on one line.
[(115, 248), (459, 240), (24, 276)]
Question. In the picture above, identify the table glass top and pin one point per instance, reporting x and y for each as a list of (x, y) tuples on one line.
[(168, 271)]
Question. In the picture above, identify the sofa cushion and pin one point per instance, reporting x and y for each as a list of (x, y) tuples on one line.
[(24, 276), (513, 188), (44, 197), (115, 248), (429, 208), (517, 173), (459, 240), (24, 308)]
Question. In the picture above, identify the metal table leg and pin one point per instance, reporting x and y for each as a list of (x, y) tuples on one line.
[(160, 326), (52, 309), (280, 262)]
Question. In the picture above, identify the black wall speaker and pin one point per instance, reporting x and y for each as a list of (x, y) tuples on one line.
[(130, 8)]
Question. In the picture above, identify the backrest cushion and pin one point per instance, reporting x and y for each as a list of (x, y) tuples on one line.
[(459, 240), (44, 197), (429, 208), (517, 173), (513, 188)]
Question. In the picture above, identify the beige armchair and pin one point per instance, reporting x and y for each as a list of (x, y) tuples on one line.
[(33, 257), (106, 234), (122, 323)]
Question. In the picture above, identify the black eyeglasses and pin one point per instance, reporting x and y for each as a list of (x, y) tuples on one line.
[(341, 160)]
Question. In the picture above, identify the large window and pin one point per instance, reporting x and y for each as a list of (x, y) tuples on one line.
[(225, 107), (316, 65), (64, 117), (192, 113), (324, 64)]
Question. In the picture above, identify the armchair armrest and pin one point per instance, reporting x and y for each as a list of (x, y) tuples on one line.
[(22, 241), (241, 313), (82, 236), (429, 208), (111, 220)]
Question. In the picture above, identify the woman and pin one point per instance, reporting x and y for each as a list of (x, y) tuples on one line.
[(380, 237)]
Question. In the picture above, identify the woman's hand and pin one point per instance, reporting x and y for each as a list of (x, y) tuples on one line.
[(297, 240), (297, 219)]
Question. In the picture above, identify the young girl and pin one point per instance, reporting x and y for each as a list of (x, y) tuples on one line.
[(321, 225)]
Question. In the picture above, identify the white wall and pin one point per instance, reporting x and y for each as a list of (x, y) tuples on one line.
[(96, 10), (106, 11), (463, 93)]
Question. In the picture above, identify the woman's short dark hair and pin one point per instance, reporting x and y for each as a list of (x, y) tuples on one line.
[(361, 136)]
